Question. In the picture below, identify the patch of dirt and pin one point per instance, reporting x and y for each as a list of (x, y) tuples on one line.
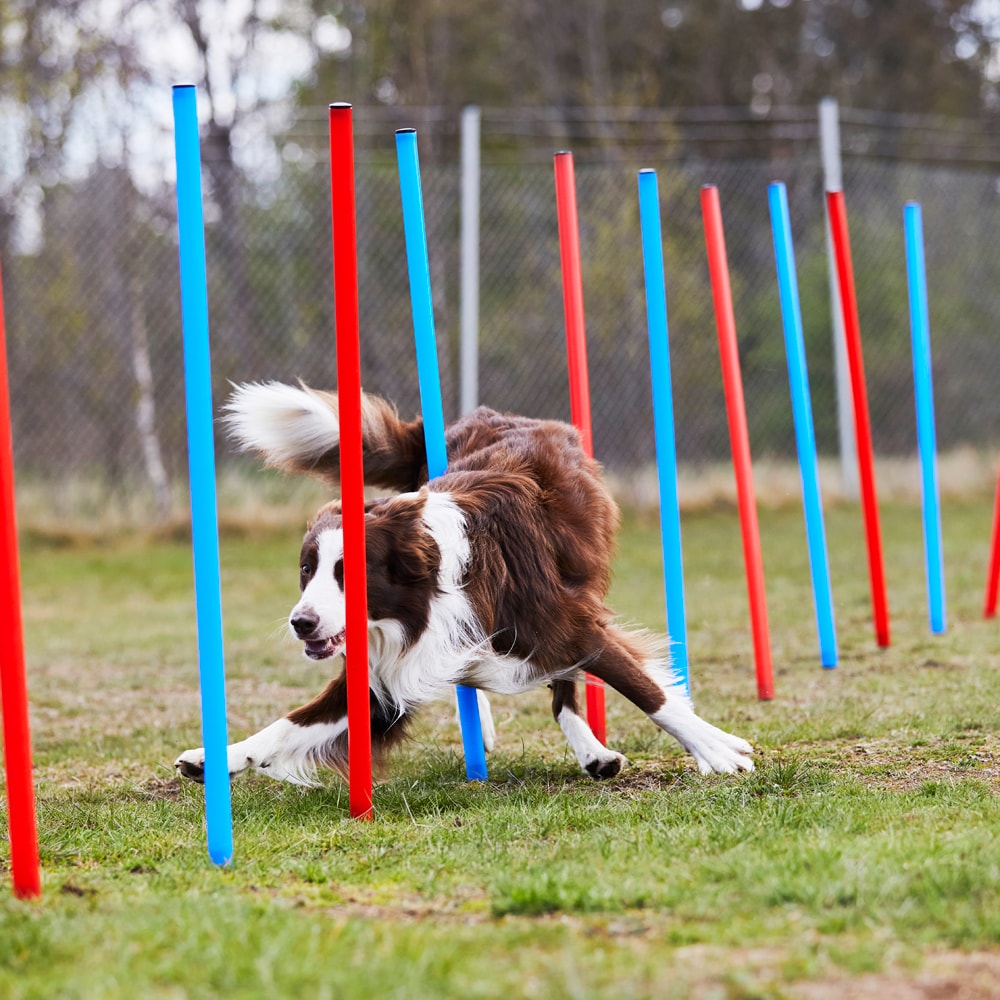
[(161, 789), (894, 766), (883, 764), (941, 975), (403, 911), (647, 777), (68, 889), (944, 976), (469, 907)]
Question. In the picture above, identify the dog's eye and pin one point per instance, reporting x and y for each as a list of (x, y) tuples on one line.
[(305, 570)]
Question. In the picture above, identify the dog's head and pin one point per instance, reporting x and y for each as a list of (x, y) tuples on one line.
[(402, 565)]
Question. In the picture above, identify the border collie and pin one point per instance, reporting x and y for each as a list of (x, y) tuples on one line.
[(493, 575)]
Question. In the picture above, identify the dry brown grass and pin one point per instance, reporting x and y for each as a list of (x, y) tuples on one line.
[(964, 474)]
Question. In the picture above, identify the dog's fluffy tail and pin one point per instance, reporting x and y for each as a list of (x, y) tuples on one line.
[(297, 429)]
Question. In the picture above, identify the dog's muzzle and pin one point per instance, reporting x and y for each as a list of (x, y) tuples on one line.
[(321, 649), (305, 624)]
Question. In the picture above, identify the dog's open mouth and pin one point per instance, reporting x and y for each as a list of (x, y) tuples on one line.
[(321, 649)]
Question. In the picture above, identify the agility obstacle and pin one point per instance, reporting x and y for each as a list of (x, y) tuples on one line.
[(837, 211), (916, 273), (993, 570), (22, 823), (576, 350), (418, 264), (201, 464), (739, 437), (802, 416), (344, 227), (343, 220), (663, 423)]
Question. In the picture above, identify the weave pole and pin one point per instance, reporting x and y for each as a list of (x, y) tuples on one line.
[(201, 466), (920, 331), (837, 211), (805, 436), (663, 423), (576, 351), (739, 436), (22, 824), (418, 264), (993, 572), (343, 219)]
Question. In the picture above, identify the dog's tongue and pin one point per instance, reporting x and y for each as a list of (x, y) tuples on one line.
[(320, 649)]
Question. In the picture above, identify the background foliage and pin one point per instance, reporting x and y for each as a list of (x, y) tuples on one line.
[(717, 92)]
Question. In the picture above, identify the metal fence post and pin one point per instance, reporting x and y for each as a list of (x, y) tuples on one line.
[(470, 260), (829, 141)]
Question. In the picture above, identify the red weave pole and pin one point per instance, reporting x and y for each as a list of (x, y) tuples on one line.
[(352, 475), (572, 275), (837, 212), (576, 352), (739, 437), (993, 574), (21, 822)]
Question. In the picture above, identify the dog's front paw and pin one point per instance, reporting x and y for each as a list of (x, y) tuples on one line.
[(605, 766), (712, 748), (191, 764), (723, 753)]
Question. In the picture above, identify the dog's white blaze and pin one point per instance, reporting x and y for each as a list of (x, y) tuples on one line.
[(452, 648), (322, 593), (284, 423), (452, 617), (439, 658)]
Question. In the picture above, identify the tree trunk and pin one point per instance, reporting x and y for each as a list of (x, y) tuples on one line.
[(145, 407)]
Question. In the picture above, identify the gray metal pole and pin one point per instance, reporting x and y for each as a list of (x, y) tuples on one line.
[(470, 260), (829, 141)]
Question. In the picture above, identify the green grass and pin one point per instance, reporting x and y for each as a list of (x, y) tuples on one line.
[(865, 845)]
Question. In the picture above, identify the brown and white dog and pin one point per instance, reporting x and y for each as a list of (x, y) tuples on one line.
[(493, 575)]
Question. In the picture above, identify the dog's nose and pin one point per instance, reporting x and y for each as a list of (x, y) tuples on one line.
[(304, 623)]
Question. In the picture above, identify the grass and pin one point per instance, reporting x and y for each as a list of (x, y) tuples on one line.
[(864, 852)]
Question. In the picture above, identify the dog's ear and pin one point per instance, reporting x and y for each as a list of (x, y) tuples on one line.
[(329, 513)]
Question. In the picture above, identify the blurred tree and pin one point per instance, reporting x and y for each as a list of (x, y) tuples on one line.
[(84, 85), (228, 40), (920, 56), (51, 51)]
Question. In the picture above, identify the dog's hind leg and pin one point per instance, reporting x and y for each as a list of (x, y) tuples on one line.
[(646, 681), (594, 757)]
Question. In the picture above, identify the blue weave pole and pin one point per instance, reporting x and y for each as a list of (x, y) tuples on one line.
[(201, 464), (663, 422), (418, 265), (924, 394), (805, 437)]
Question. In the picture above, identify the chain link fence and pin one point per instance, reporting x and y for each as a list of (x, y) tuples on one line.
[(94, 336)]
